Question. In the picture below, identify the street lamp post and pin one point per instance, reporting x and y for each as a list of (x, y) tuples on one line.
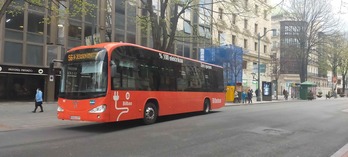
[(258, 63)]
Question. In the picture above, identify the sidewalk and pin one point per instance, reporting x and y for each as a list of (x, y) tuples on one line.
[(280, 99), (18, 115)]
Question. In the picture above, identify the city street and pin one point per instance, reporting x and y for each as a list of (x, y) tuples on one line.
[(284, 128)]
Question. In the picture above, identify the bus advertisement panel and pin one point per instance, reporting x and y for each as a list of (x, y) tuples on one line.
[(120, 81)]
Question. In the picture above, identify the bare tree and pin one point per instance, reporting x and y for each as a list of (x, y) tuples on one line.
[(163, 19), (164, 27), (334, 47), (316, 17)]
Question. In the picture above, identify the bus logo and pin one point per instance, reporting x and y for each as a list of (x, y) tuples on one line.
[(127, 95), (75, 104)]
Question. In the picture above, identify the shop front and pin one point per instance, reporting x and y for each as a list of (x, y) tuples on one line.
[(19, 83)]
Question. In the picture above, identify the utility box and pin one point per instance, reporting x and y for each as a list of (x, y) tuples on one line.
[(305, 88), (230, 93)]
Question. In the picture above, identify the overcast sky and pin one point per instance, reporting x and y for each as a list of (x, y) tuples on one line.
[(340, 8)]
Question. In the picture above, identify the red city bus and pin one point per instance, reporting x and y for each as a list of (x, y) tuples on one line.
[(121, 81)]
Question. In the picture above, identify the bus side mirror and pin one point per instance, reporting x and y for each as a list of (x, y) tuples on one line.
[(113, 68)]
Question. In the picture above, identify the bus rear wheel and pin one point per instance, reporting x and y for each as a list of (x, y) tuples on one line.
[(206, 108), (150, 113)]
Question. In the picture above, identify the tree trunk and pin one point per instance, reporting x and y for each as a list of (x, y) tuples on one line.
[(344, 83), (4, 8)]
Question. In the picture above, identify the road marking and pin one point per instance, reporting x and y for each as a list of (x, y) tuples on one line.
[(343, 152), (345, 110)]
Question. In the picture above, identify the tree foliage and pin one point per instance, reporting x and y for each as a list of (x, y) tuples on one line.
[(343, 64), (57, 8), (317, 17)]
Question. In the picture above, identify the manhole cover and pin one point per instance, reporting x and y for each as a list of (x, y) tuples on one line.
[(271, 131)]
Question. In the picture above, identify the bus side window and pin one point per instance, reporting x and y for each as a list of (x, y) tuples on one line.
[(115, 75)]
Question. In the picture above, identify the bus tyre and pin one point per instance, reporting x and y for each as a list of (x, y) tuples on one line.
[(206, 108), (150, 113)]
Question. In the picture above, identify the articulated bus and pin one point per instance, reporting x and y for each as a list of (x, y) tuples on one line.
[(111, 82)]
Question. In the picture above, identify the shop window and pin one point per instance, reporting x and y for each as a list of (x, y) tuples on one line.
[(13, 52), (34, 55)]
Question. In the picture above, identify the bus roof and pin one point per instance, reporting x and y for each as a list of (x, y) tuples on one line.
[(118, 44)]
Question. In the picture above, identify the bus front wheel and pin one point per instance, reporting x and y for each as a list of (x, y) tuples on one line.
[(206, 106), (150, 113)]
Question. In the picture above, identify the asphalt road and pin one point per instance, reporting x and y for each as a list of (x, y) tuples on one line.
[(287, 129)]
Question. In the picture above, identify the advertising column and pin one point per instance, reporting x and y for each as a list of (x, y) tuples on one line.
[(266, 91)]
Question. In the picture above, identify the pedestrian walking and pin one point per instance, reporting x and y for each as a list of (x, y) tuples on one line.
[(244, 97), (38, 100), (250, 96), (236, 97), (285, 93)]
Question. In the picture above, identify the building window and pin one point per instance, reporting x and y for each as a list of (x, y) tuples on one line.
[(15, 22), (245, 24), (265, 48), (234, 18), (256, 25), (245, 43), (246, 3), (265, 14), (13, 52), (234, 40), (255, 68), (75, 30), (274, 33), (256, 9), (245, 63), (187, 27), (220, 13), (255, 46), (36, 23), (221, 37), (34, 55)]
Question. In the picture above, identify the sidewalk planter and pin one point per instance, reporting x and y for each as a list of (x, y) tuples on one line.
[(310, 97), (342, 95), (320, 94)]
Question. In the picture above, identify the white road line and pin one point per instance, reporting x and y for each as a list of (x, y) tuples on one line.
[(345, 110), (343, 152)]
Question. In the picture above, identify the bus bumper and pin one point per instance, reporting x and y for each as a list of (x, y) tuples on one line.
[(83, 116)]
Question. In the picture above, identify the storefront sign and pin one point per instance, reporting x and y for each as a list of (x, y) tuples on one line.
[(25, 70)]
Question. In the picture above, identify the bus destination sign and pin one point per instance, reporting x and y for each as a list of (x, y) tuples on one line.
[(82, 56)]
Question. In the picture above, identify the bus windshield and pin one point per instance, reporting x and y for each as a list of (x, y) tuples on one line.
[(84, 74)]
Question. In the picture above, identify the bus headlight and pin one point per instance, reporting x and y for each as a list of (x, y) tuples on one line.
[(98, 109), (59, 109)]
